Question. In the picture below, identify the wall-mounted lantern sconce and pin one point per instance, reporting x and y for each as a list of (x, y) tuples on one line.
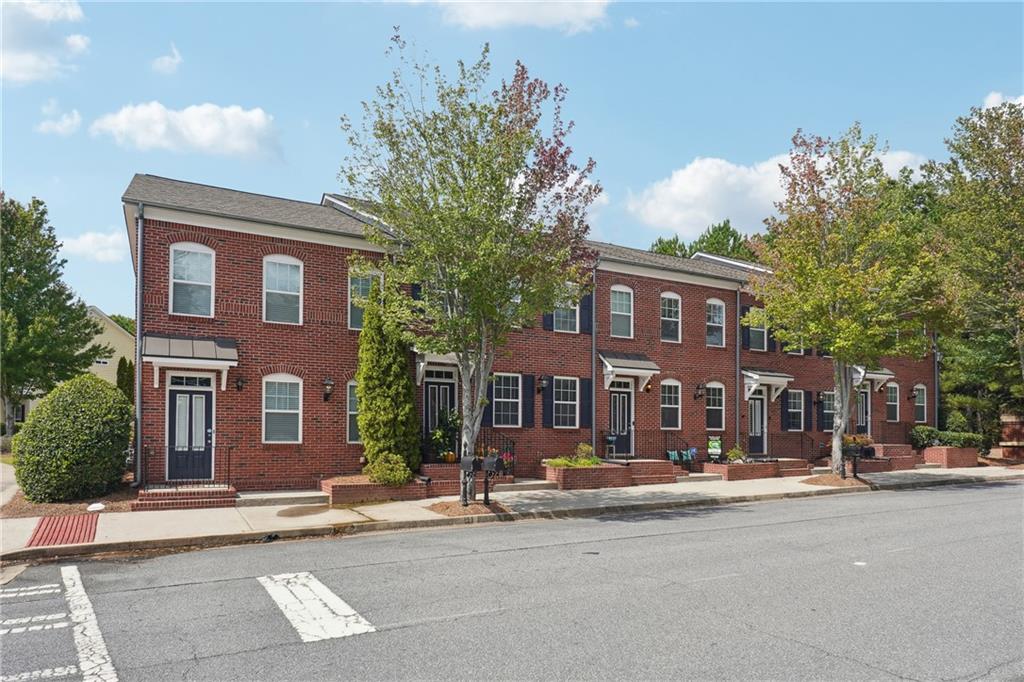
[(542, 385), (647, 386), (328, 388), (239, 383), (698, 393), (820, 397), (912, 395)]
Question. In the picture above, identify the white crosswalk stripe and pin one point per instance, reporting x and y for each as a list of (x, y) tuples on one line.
[(45, 674), (314, 611), (27, 588), (33, 628), (33, 619), (93, 660), (29, 593)]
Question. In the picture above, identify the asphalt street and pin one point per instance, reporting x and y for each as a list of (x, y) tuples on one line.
[(919, 584)]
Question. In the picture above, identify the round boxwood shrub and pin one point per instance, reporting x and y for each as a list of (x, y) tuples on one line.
[(73, 444), (387, 468)]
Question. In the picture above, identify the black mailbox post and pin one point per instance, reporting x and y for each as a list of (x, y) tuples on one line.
[(469, 465), (493, 466)]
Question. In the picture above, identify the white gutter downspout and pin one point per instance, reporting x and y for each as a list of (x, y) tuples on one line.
[(139, 469), (739, 380), (593, 361)]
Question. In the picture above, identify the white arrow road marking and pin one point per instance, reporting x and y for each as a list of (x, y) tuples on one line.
[(314, 611), (93, 659), (45, 674)]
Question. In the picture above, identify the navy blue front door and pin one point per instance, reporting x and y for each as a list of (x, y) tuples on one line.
[(438, 398), (621, 420), (190, 435)]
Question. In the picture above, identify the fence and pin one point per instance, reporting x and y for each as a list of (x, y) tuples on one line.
[(642, 443)]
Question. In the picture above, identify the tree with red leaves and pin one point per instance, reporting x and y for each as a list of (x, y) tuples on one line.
[(481, 211)]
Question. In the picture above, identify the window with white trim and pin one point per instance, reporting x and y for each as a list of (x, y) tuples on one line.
[(920, 403), (192, 272), (795, 410), (828, 411), (892, 402), (282, 408), (758, 337), (352, 413), (282, 289), (507, 392), (715, 326), (622, 311), (358, 288), (671, 307), (671, 404), (566, 402), (567, 320), (714, 407)]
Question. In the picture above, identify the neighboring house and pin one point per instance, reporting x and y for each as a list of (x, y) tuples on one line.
[(250, 337), (112, 334)]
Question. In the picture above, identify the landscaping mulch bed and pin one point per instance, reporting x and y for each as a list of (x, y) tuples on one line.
[(835, 481), (455, 508), (117, 500)]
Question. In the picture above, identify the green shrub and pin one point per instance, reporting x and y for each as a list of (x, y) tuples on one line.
[(574, 462), (387, 468), (735, 454), (923, 436), (72, 446), (956, 421), (960, 439), (584, 450)]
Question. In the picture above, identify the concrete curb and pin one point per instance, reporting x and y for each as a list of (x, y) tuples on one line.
[(358, 528)]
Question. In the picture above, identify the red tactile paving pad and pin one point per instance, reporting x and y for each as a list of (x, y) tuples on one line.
[(64, 530)]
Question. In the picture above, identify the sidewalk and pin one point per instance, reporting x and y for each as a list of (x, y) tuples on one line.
[(125, 531)]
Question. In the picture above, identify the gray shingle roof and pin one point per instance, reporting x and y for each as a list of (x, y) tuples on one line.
[(153, 190), (624, 254)]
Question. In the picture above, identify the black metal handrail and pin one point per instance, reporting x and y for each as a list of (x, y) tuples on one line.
[(643, 443)]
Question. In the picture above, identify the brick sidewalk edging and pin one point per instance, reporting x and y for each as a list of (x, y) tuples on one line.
[(358, 528)]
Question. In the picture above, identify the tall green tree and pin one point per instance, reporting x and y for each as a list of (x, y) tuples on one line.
[(126, 378), (720, 239), (47, 332), (855, 267), (126, 323), (479, 206), (388, 423), (982, 194)]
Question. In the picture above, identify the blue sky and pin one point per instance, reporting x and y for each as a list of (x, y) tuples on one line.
[(685, 107)]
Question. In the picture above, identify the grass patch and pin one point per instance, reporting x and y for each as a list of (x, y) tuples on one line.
[(574, 462), (7, 459)]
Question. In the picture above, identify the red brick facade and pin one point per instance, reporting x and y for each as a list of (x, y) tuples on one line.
[(324, 347)]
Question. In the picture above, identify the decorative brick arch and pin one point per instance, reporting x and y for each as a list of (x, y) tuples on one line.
[(283, 368), (194, 237), (281, 250)]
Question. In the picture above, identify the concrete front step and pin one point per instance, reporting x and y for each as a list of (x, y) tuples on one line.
[(928, 465), (523, 485), (821, 470), (698, 478), (274, 498)]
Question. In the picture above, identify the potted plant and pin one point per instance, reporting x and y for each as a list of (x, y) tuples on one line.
[(443, 438), (736, 455)]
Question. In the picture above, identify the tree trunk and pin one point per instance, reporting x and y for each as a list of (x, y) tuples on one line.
[(474, 374), (9, 413), (843, 380)]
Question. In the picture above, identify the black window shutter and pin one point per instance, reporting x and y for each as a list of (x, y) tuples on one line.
[(548, 404), (784, 405), (821, 415), (744, 328), (416, 292), (529, 398), (771, 340), (808, 424), (586, 314), (549, 321), (586, 390), (488, 419)]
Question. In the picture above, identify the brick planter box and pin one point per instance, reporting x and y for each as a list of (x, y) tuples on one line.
[(951, 458), (743, 472), (445, 471), (870, 466), (353, 489), (578, 478)]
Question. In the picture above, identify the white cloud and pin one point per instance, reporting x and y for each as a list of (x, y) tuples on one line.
[(568, 17), (709, 190), (168, 63), (102, 247), (205, 128), (994, 99), (58, 123), (32, 48), (631, 22), (77, 43)]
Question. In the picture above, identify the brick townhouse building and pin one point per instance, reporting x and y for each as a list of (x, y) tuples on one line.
[(249, 333)]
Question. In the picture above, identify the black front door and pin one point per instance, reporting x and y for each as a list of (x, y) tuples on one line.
[(621, 420), (190, 442), (863, 412), (755, 422), (438, 398)]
